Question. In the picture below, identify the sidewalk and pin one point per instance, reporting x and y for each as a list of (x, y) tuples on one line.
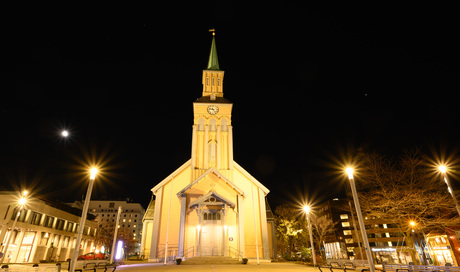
[(270, 267)]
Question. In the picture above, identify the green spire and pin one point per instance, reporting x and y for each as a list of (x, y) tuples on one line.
[(213, 62)]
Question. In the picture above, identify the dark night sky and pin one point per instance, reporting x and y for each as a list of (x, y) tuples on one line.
[(310, 84)]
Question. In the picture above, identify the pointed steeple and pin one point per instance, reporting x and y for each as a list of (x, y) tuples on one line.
[(213, 62), (213, 77)]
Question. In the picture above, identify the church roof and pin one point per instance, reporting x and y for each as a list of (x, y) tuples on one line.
[(207, 99), (216, 172), (213, 62)]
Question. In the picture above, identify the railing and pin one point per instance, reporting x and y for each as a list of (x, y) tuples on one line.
[(188, 250), (235, 253), (170, 257)]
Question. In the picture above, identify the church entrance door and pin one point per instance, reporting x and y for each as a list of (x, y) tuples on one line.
[(211, 237)]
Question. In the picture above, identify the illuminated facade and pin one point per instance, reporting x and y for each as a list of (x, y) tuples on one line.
[(130, 225), (388, 243), (441, 249), (210, 206), (44, 231)]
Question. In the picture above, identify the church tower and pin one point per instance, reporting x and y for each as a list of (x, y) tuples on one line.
[(209, 206), (212, 127)]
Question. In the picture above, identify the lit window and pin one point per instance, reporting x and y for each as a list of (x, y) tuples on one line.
[(344, 216), (349, 241), (345, 224), (347, 232)]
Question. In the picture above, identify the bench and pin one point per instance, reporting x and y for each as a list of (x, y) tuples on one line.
[(96, 266), (345, 266)]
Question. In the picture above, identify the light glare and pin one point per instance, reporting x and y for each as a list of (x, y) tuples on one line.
[(443, 169), (349, 171), (93, 173)]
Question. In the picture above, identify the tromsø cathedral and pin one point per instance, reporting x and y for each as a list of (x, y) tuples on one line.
[(209, 206)]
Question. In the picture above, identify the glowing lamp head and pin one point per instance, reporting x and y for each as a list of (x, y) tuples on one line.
[(22, 200), (93, 172), (443, 169), (24, 193), (412, 223), (306, 209), (349, 171), (65, 133)]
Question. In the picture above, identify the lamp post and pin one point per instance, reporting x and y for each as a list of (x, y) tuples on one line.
[(83, 219), (112, 253), (443, 170), (307, 212), (360, 220), (21, 203)]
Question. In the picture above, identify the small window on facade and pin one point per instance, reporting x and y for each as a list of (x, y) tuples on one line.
[(345, 224), (347, 232), (205, 216), (344, 216), (111, 204)]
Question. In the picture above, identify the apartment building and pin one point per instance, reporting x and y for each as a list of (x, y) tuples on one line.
[(386, 240), (130, 225)]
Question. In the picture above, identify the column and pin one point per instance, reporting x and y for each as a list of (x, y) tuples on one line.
[(230, 147), (14, 256), (183, 211), (241, 227), (224, 231), (195, 127), (263, 223), (206, 147), (156, 225), (144, 236), (218, 151)]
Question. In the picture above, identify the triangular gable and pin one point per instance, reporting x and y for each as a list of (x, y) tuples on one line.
[(209, 171), (255, 181), (171, 176), (202, 200)]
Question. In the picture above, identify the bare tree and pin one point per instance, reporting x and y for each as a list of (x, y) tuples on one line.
[(403, 191), (321, 227)]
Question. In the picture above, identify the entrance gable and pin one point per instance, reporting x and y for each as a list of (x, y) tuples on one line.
[(213, 178), (211, 199)]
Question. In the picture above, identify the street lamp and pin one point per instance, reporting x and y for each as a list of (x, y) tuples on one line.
[(367, 248), (306, 209), (443, 170), (22, 201), (117, 225), (93, 172)]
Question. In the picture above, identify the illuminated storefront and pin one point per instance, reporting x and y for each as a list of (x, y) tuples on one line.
[(441, 250)]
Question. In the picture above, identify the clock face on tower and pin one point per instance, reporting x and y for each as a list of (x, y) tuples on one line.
[(213, 109)]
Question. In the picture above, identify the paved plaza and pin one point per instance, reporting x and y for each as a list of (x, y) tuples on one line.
[(278, 267)]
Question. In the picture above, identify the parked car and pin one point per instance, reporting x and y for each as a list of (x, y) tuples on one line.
[(93, 256)]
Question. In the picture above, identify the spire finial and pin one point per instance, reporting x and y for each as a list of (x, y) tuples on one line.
[(213, 63)]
